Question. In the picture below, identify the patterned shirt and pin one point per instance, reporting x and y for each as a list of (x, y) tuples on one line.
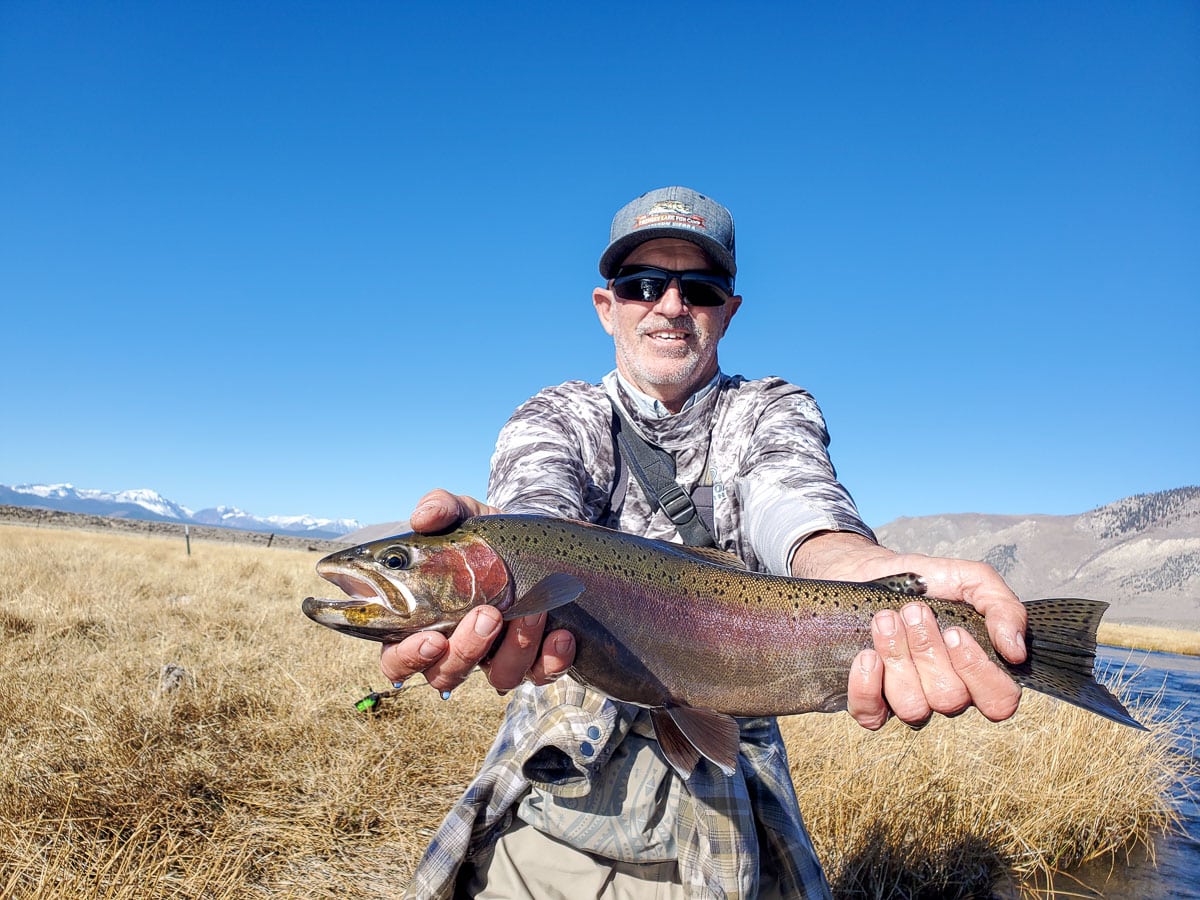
[(586, 769)]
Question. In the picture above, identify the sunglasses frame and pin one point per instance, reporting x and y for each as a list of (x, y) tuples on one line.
[(629, 275)]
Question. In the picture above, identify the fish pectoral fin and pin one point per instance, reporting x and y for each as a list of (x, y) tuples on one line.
[(550, 593), (713, 555), (907, 584), (685, 734)]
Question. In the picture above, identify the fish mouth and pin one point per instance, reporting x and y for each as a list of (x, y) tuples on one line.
[(359, 617), (369, 591)]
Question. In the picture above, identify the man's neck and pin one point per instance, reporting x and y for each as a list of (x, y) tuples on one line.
[(653, 407)]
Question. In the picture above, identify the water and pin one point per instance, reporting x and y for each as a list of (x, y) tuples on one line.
[(1176, 870)]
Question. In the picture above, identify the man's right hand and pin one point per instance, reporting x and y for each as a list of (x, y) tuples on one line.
[(523, 652)]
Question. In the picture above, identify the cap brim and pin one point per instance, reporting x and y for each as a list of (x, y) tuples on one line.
[(611, 259)]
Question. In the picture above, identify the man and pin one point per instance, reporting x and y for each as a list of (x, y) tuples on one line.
[(575, 798)]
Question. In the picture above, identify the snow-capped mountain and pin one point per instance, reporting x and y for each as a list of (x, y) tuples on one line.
[(150, 505), (232, 517)]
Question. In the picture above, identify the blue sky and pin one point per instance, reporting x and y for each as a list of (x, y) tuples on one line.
[(308, 257)]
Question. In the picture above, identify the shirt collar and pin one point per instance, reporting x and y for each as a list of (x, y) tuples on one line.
[(647, 405)]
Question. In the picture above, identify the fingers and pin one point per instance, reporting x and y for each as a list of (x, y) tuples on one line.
[(992, 691), (981, 586), (864, 697), (517, 652), (1006, 621), (440, 509), (525, 654), (914, 671), (917, 676), (558, 652), (446, 663)]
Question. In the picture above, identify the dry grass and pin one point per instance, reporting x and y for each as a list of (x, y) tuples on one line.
[(174, 727), (950, 810), (1151, 637)]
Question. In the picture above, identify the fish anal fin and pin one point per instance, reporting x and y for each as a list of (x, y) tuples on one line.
[(550, 593), (907, 584), (691, 733)]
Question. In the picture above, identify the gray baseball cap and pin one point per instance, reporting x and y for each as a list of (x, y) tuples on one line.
[(671, 212)]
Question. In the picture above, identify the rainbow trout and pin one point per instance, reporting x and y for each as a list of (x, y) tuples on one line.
[(687, 632)]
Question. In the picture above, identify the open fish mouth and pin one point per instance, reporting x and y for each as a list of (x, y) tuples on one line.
[(365, 591)]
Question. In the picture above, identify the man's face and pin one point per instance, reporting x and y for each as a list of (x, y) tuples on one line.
[(667, 348)]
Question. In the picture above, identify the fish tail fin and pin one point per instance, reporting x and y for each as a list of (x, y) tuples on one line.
[(1061, 640)]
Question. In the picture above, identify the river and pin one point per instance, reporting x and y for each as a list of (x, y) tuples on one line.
[(1176, 871)]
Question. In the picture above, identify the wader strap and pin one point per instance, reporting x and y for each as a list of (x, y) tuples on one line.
[(654, 468)]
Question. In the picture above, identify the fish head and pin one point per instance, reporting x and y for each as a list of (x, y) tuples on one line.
[(408, 583)]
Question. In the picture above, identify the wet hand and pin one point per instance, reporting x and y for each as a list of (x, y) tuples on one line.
[(523, 653), (915, 670)]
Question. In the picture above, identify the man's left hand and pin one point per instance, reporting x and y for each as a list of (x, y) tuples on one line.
[(914, 669)]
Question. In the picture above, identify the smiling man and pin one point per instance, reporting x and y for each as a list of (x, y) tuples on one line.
[(575, 798)]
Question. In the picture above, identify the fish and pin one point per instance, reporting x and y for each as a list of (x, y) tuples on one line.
[(687, 632)]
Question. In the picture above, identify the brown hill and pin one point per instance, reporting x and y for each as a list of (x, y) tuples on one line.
[(1141, 554)]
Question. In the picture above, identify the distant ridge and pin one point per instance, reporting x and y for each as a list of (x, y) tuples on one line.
[(1141, 553), (374, 532), (150, 506)]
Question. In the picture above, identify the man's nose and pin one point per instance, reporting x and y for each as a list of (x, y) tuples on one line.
[(671, 304)]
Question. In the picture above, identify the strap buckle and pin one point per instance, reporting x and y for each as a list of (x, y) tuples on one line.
[(677, 504)]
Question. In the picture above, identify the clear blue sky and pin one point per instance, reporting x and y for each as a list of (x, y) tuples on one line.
[(307, 257)]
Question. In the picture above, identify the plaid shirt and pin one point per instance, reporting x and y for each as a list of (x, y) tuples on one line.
[(763, 445)]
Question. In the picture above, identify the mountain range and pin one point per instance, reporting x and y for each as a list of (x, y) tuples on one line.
[(1141, 553), (151, 506)]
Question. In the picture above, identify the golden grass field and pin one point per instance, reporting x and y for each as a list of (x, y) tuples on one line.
[(174, 727)]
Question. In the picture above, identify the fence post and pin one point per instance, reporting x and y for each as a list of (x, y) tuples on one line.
[(187, 537)]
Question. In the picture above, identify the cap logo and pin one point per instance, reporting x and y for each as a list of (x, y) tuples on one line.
[(670, 212)]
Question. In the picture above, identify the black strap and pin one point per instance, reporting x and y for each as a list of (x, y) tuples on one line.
[(654, 468)]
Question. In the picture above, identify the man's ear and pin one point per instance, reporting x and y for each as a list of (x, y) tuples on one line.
[(605, 305), (731, 307)]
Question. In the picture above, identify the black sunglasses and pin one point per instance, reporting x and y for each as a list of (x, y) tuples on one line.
[(648, 284)]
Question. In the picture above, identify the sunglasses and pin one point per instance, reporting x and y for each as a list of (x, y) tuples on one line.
[(696, 288)]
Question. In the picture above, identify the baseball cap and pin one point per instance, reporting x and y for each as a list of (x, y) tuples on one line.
[(671, 212)]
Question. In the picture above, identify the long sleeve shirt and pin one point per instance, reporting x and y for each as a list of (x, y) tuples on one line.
[(586, 769)]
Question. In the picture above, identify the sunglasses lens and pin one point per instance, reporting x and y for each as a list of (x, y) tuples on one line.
[(642, 286), (701, 292), (699, 288)]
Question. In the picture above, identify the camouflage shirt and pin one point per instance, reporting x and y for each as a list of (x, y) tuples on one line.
[(586, 769)]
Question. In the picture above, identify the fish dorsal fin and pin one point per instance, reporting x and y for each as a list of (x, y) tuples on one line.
[(685, 734), (906, 584), (713, 555), (550, 593)]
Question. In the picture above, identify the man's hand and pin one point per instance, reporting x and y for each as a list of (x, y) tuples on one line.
[(446, 662), (914, 670)]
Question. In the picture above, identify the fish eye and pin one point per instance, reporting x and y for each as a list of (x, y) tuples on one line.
[(395, 558)]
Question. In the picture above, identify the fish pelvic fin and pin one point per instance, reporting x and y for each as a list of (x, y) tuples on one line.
[(550, 593), (907, 584), (1061, 641), (686, 734)]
